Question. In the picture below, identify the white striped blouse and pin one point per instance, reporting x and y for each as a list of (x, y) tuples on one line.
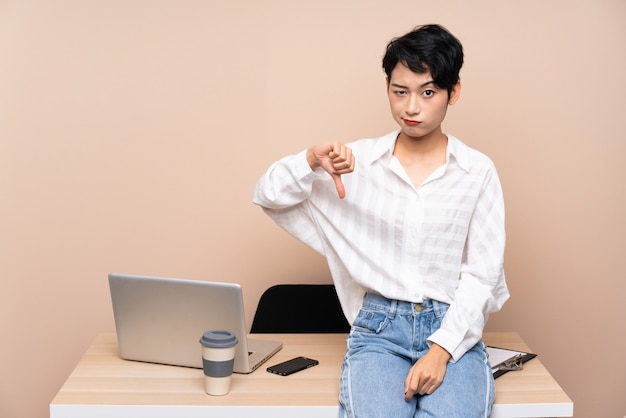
[(443, 240)]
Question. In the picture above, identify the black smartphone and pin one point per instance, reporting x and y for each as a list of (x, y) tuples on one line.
[(291, 366)]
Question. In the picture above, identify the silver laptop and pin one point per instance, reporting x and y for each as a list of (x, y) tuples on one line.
[(161, 320)]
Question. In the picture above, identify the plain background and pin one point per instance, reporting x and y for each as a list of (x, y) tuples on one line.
[(132, 134)]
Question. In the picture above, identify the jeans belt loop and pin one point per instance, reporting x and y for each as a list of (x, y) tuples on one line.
[(436, 308), (393, 308)]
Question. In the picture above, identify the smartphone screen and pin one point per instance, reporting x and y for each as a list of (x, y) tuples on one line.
[(291, 366)]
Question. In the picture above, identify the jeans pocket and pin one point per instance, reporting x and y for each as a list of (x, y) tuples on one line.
[(371, 322)]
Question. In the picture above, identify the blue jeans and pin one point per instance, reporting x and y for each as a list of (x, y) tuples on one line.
[(386, 339)]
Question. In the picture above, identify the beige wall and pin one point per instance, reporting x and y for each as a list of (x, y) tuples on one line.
[(132, 133)]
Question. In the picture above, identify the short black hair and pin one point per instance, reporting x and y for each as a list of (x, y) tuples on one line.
[(427, 48)]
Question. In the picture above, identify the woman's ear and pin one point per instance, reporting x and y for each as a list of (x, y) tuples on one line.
[(455, 93)]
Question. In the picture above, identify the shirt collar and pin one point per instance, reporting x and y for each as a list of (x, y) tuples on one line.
[(384, 146), (459, 151), (456, 149)]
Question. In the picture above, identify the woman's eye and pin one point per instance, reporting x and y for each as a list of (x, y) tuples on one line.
[(429, 93)]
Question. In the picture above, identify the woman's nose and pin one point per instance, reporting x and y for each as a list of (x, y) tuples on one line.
[(413, 107)]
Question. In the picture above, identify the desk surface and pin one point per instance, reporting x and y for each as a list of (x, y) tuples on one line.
[(104, 385)]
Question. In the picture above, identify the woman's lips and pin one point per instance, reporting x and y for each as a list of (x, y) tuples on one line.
[(411, 122)]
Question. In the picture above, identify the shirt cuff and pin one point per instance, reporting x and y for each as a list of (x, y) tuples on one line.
[(303, 169), (450, 342)]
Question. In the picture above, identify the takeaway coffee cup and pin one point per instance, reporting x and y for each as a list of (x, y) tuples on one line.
[(218, 359)]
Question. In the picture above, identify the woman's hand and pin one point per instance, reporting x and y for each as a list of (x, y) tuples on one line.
[(335, 158)]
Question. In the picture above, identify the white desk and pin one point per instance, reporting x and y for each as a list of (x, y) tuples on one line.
[(103, 385)]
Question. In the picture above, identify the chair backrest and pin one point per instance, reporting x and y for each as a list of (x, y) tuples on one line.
[(300, 308)]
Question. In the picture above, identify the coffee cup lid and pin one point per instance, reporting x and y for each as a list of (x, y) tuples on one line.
[(218, 339)]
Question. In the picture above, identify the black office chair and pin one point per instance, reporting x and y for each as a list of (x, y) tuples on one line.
[(299, 308)]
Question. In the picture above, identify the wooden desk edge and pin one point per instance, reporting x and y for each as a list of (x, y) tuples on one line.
[(562, 407)]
